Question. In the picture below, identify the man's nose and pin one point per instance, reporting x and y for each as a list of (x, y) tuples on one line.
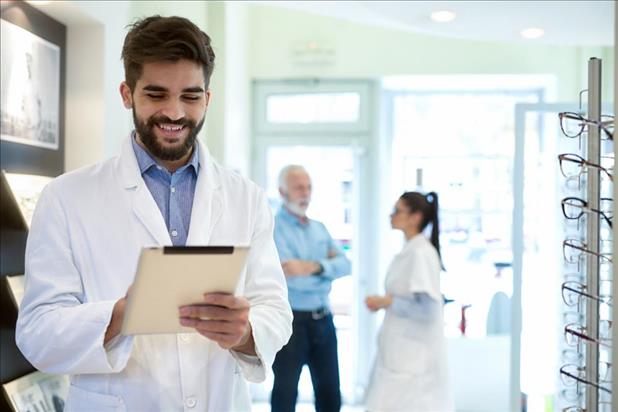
[(174, 110)]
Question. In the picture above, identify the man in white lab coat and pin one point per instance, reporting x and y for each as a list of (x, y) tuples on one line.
[(163, 189)]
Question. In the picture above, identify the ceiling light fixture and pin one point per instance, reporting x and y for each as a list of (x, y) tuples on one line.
[(532, 33), (443, 16)]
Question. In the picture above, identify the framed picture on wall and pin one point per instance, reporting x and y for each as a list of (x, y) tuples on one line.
[(30, 98), (22, 192), (37, 391), (16, 285)]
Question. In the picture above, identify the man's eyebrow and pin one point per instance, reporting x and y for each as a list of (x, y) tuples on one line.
[(196, 89), (154, 88)]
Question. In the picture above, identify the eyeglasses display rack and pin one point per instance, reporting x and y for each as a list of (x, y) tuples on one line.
[(586, 372)]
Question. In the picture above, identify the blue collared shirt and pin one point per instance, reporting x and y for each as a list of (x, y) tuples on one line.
[(173, 192), (309, 241)]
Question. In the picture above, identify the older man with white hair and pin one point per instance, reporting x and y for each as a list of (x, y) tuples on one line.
[(311, 260)]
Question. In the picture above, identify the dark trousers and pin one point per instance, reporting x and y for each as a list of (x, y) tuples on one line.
[(313, 343)]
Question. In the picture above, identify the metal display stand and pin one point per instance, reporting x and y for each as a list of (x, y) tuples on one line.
[(592, 231), (587, 376)]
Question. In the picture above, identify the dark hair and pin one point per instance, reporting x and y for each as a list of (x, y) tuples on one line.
[(427, 205), (156, 38)]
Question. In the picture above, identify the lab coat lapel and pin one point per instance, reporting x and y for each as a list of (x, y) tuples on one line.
[(143, 204), (207, 202), (147, 211)]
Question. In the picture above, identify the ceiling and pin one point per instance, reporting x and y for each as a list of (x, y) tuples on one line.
[(581, 23)]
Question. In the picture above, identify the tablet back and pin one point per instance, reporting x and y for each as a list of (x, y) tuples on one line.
[(173, 276)]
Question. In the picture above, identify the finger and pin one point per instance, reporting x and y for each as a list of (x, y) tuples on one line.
[(212, 312), (234, 329), (226, 300), (215, 326), (224, 340)]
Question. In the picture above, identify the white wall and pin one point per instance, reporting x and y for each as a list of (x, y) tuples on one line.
[(95, 119), (229, 118)]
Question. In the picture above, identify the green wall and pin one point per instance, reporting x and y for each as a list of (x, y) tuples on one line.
[(368, 51)]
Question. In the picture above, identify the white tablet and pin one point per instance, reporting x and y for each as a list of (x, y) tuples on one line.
[(173, 276)]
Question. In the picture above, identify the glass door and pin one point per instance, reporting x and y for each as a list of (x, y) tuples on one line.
[(459, 143)]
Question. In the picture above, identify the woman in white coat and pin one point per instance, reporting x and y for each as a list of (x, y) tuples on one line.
[(410, 373)]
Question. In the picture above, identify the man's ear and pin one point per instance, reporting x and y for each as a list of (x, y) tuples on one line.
[(126, 94), (282, 193), (208, 96)]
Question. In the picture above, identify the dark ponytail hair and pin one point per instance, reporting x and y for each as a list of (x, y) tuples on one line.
[(427, 205)]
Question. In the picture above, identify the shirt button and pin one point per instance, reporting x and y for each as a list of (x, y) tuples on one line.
[(173, 189), (174, 233), (190, 402), (184, 337)]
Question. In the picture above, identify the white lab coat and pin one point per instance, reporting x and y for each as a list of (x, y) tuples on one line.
[(409, 373), (87, 232)]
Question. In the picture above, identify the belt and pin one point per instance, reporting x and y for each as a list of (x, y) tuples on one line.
[(311, 314)]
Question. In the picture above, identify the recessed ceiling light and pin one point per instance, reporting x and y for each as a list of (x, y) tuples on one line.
[(443, 16), (39, 2), (532, 33)]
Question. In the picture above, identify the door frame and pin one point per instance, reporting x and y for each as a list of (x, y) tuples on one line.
[(363, 138)]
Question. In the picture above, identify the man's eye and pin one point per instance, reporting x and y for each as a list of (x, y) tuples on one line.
[(155, 96), (191, 97)]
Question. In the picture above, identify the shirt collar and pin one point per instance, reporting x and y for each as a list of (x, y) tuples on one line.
[(146, 161)]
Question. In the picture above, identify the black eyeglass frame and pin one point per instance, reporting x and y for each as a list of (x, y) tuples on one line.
[(583, 206), (576, 378)]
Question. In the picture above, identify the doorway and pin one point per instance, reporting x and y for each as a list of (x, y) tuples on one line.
[(324, 126)]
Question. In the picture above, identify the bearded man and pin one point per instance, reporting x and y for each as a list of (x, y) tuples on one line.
[(164, 189)]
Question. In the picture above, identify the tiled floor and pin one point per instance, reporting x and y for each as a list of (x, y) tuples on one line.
[(303, 407)]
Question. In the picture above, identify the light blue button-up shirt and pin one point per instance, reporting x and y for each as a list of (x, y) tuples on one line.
[(173, 192), (309, 240)]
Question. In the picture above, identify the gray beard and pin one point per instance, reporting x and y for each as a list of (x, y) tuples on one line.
[(296, 209)]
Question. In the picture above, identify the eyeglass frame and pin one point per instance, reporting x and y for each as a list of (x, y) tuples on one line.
[(582, 380), (568, 329), (582, 162), (575, 408), (602, 299), (602, 125), (584, 208), (567, 242)]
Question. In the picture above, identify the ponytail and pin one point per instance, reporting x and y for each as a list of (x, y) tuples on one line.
[(432, 199)]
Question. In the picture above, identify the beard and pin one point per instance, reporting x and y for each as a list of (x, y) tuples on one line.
[(298, 208), (146, 133)]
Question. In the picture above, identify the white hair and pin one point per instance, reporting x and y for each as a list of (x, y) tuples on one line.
[(285, 172)]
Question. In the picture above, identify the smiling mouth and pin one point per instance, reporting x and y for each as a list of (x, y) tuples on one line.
[(171, 131)]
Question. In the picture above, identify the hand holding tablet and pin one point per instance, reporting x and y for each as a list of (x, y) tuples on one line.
[(222, 318), (199, 279)]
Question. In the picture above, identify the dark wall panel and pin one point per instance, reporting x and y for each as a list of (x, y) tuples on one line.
[(19, 158)]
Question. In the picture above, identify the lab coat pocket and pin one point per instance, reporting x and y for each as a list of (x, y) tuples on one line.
[(403, 355), (79, 400)]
